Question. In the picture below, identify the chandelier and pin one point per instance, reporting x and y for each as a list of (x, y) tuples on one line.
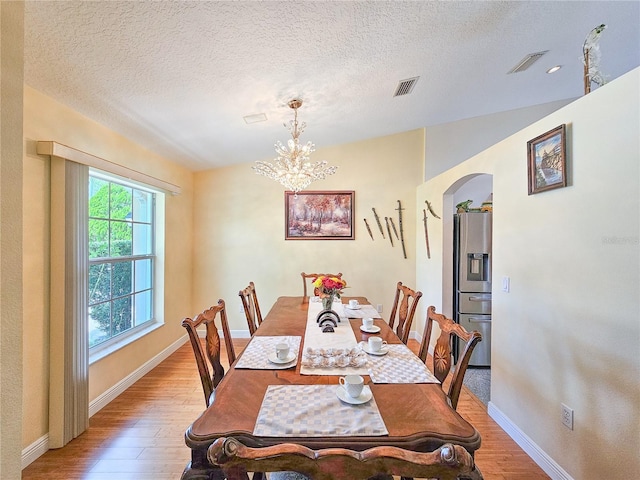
[(292, 168)]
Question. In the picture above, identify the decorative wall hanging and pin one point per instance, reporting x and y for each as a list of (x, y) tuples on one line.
[(547, 160), (591, 59), (319, 215), (426, 232), (399, 209), (378, 221), (368, 228)]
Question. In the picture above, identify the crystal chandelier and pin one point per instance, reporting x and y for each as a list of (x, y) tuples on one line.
[(292, 168)]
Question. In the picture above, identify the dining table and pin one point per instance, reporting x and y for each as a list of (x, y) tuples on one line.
[(262, 401)]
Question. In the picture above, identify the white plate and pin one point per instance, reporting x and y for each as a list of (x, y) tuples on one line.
[(357, 307), (373, 329), (364, 396), (274, 358), (382, 351)]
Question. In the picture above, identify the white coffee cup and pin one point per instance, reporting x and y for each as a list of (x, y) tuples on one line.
[(352, 384), (282, 351), (367, 323), (353, 303), (376, 344)]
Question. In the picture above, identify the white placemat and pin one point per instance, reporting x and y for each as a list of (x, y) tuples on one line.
[(312, 410), (400, 365), (315, 340), (256, 353)]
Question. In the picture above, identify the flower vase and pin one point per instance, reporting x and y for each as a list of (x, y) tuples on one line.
[(327, 319), (327, 301)]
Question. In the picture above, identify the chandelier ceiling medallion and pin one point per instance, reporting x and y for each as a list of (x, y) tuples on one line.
[(292, 168)]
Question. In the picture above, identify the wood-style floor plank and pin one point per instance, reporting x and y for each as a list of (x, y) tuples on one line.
[(140, 434)]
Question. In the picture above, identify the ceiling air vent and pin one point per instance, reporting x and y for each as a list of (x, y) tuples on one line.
[(405, 87), (527, 61), (255, 118)]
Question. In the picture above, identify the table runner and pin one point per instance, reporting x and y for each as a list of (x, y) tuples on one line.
[(256, 353), (400, 365), (333, 344), (365, 311), (315, 410)]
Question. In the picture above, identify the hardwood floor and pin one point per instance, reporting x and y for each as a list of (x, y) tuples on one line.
[(140, 435)]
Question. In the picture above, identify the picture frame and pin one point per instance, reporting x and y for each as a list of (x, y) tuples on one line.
[(547, 161), (319, 215)]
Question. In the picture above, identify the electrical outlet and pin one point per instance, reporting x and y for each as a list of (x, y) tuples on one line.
[(567, 416), (240, 308), (379, 308)]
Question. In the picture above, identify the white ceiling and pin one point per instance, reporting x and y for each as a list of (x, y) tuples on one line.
[(178, 77)]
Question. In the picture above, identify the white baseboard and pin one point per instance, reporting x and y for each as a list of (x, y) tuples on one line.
[(544, 461), (41, 446), (35, 450), (103, 399)]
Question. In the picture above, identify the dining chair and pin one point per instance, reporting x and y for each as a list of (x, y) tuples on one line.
[(307, 276), (211, 349), (251, 307), (403, 310), (442, 351), (449, 462)]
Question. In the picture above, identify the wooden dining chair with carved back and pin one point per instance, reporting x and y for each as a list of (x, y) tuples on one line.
[(441, 365), (404, 308), (306, 277), (251, 307), (449, 462), (208, 355)]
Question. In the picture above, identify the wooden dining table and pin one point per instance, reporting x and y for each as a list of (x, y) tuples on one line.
[(417, 415)]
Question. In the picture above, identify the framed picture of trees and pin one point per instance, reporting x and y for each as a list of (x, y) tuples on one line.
[(319, 215), (546, 160)]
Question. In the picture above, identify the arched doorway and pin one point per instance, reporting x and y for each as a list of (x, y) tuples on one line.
[(476, 188)]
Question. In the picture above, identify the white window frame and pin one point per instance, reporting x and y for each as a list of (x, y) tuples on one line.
[(123, 339)]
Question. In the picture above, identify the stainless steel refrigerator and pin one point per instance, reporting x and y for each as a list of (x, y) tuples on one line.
[(472, 281)]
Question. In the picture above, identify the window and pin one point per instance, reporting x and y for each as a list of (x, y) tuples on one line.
[(122, 259)]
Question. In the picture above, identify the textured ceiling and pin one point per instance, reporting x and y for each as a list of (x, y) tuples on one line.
[(178, 77)]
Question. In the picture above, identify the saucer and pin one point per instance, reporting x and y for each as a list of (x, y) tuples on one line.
[(382, 351), (273, 358), (373, 329), (357, 307), (364, 396)]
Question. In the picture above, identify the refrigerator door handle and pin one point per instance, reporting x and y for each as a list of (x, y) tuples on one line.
[(474, 298), (478, 320)]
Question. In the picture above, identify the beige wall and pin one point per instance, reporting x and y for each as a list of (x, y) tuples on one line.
[(45, 119), (568, 332), (239, 228), (11, 248)]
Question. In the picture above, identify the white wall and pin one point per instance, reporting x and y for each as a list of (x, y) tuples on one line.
[(451, 143), (569, 330)]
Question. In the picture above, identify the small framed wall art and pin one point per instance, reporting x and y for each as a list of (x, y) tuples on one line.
[(546, 160), (320, 215)]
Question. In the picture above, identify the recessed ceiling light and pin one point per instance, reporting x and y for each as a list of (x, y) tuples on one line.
[(554, 69), (258, 117)]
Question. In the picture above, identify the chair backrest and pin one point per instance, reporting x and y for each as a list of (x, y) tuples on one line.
[(403, 310), (312, 276), (211, 350), (251, 307), (441, 365), (449, 462)]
